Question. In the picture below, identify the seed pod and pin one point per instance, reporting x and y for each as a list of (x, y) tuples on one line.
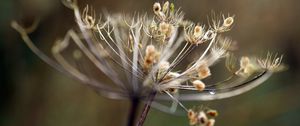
[(203, 71), (210, 122), (202, 118), (228, 22), (198, 31), (192, 117), (150, 57), (166, 7), (199, 85), (212, 113), (244, 61), (156, 8)]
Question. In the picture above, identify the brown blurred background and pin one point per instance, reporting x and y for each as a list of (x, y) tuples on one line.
[(34, 94)]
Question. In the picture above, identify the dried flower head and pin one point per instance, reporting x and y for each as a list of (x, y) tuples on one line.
[(271, 62), (201, 117), (142, 56)]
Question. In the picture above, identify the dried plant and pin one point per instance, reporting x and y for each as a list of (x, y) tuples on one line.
[(141, 55)]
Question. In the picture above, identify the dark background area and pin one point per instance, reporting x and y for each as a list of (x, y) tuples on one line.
[(34, 94)]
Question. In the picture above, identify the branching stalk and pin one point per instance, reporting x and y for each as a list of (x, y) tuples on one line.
[(146, 108)]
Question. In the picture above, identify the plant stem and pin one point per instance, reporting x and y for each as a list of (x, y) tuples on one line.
[(133, 111), (146, 108)]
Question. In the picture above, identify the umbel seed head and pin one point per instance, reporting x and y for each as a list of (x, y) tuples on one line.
[(147, 54)]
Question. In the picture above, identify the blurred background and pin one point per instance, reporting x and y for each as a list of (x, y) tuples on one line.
[(34, 94)]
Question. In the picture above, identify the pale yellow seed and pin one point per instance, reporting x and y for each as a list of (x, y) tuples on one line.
[(249, 69), (212, 113), (191, 114), (199, 85), (244, 61), (156, 8), (164, 27), (170, 31), (210, 122), (150, 56), (193, 121), (192, 117), (150, 49), (203, 71), (202, 118), (166, 6), (198, 31), (228, 22)]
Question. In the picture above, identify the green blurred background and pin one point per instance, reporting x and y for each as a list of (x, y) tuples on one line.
[(34, 94)]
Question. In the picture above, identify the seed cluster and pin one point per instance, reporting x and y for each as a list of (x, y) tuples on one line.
[(151, 57), (141, 54), (202, 117)]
